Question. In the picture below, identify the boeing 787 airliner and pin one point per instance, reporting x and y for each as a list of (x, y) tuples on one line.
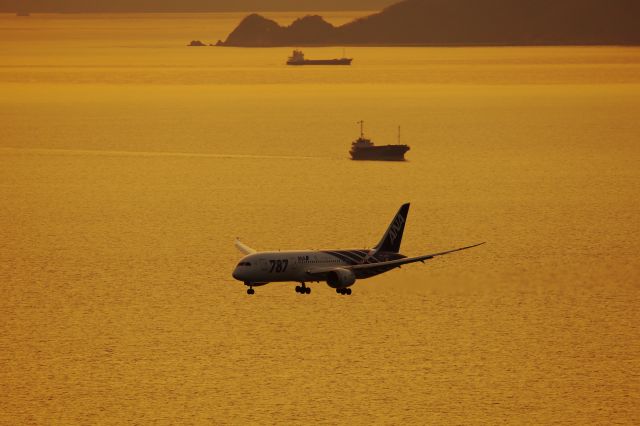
[(338, 268)]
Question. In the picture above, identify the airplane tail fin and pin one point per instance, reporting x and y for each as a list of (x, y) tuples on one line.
[(391, 240)]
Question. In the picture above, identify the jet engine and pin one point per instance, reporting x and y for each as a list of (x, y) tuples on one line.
[(340, 278)]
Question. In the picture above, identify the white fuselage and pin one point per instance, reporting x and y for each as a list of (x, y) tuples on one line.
[(265, 267)]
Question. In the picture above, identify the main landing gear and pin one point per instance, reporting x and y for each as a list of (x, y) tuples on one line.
[(344, 291), (303, 289)]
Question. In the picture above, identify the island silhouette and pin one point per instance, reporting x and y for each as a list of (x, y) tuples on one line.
[(458, 23)]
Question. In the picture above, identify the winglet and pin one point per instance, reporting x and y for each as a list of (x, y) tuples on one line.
[(244, 248)]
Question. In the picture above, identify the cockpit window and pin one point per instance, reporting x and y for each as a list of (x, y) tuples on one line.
[(244, 264)]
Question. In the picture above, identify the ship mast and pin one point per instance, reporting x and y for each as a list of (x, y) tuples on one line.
[(398, 135), (361, 123)]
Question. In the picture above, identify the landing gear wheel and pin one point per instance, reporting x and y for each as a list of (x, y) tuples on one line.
[(339, 290), (250, 291), (348, 291), (307, 290), (298, 288)]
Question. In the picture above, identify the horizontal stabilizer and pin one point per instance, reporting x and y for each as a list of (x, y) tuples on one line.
[(244, 248)]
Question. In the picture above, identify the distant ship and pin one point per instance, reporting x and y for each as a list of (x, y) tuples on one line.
[(297, 58), (363, 149)]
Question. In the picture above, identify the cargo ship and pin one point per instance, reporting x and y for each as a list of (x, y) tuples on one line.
[(297, 58), (363, 149)]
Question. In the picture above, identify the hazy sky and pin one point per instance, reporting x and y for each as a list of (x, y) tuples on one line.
[(191, 5)]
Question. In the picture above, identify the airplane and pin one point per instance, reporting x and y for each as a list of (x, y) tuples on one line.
[(338, 268)]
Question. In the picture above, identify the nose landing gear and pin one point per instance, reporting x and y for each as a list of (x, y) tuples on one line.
[(250, 290)]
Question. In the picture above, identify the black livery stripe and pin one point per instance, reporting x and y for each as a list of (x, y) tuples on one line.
[(358, 258), (342, 256)]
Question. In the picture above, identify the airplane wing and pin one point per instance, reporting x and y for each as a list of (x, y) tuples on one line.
[(390, 264), (244, 248)]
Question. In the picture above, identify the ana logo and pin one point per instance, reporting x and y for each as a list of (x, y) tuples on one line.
[(396, 226)]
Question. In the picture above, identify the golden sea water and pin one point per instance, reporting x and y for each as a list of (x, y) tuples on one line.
[(129, 163)]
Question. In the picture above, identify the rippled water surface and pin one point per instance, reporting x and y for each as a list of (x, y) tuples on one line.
[(129, 163)]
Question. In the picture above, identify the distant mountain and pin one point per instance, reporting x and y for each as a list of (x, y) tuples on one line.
[(89, 6), (460, 22), (255, 30)]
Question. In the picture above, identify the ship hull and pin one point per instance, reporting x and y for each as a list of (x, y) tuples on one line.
[(343, 61), (380, 153)]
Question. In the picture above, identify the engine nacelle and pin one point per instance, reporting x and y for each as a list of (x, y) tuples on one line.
[(341, 278)]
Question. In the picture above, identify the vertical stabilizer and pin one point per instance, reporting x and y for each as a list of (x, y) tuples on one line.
[(393, 236)]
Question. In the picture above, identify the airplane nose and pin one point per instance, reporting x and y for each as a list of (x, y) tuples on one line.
[(236, 274)]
